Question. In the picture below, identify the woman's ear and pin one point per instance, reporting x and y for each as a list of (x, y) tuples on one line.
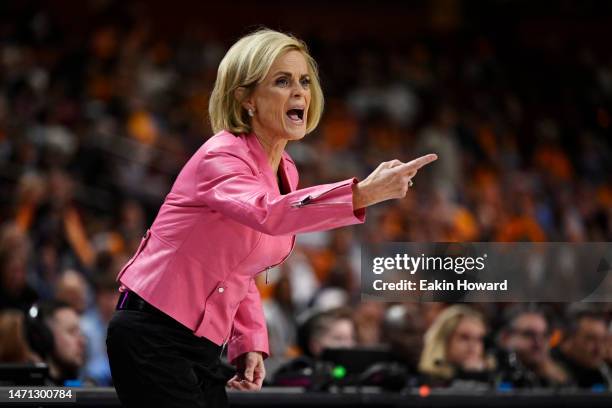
[(241, 96)]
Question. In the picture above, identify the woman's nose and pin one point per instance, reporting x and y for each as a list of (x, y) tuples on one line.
[(297, 89)]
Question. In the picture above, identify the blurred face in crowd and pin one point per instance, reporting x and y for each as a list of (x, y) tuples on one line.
[(340, 334), (13, 273), (132, 214), (465, 347), (60, 187), (72, 289), (14, 253), (281, 101), (368, 318), (587, 345), (69, 350), (528, 337)]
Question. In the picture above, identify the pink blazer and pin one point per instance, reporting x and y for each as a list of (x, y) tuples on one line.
[(223, 222)]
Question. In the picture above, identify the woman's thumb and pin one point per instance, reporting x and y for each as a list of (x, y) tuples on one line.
[(248, 371)]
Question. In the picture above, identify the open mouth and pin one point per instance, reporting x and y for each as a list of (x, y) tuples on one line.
[(296, 115)]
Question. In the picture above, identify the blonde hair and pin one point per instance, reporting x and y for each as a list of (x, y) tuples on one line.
[(433, 359), (246, 64)]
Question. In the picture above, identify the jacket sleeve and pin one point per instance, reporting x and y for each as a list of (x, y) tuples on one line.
[(226, 183), (249, 332)]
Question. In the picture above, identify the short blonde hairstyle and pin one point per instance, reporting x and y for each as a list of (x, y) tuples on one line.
[(246, 64), (433, 359)]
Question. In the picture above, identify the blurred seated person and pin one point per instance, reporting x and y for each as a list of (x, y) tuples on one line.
[(403, 329), (331, 329), (524, 357), (14, 346), (94, 324), (582, 350), (334, 328), (454, 352), (65, 352), (15, 290)]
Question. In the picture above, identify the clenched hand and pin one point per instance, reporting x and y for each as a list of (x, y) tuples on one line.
[(251, 372)]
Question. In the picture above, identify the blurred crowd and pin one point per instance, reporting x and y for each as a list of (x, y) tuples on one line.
[(95, 126)]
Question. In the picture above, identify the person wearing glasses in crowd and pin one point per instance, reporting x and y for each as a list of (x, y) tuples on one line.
[(582, 351), (526, 360)]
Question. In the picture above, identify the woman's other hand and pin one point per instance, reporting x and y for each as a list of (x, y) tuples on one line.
[(251, 372), (389, 180)]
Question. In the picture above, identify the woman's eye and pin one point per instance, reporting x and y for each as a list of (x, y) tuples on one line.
[(285, 82)]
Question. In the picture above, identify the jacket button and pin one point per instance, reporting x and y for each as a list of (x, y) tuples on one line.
[(221, 289)]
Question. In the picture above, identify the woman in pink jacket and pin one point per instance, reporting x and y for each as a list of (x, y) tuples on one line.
[(231, 214)]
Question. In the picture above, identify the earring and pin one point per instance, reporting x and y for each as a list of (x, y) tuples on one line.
[(251, 112)]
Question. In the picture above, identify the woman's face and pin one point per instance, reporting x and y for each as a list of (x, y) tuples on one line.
[(466, 345), (281, 101)]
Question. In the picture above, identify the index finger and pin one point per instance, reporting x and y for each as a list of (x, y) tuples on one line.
[(419, 162)]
